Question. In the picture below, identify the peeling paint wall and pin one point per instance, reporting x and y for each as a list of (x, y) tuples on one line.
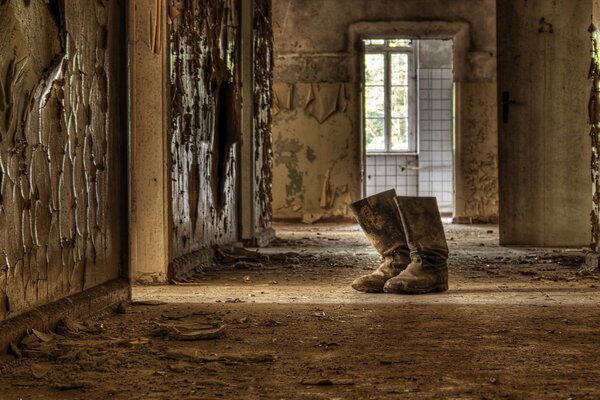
[(316, 164), (62, 149), (312, 47), (205, 120), (263, 142), (594, 119)]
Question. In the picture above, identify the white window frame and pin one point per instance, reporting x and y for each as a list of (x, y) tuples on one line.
[(412, 94)]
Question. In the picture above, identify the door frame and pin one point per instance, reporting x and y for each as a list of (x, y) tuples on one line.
[(458, 32)]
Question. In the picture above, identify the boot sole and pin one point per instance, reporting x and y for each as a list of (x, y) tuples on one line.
[(368, 290), (434, 289)]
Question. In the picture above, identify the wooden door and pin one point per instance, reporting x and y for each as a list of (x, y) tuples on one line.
[(544, 150)]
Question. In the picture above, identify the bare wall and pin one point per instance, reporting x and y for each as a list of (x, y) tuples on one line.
[(544, 61), (62, 150), (318, 163)]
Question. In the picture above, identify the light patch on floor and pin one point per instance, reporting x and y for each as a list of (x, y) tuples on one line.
[(330, 256)]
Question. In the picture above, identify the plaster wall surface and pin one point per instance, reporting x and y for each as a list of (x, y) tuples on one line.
[(262, 59), (196, 181), (544, 142), (594, 120), (316, 165), (204, 124), (62, 150), (313, 45)]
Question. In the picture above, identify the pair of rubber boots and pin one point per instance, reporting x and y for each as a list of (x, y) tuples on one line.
[(409, 235)]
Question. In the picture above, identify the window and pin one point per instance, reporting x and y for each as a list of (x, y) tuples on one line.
[(389, 94)]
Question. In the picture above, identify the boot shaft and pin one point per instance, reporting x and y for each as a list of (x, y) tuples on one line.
[(380, 220), (424, 230)]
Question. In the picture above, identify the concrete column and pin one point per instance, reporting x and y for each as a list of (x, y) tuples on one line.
[(149, 183)]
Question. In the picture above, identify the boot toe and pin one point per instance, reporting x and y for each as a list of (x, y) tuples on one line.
[(393, 287), (403, 286), (369, 284)]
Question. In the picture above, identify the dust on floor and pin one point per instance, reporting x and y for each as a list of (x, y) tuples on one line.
[(518, 323)]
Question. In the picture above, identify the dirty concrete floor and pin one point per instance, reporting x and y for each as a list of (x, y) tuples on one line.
[(517, 323)]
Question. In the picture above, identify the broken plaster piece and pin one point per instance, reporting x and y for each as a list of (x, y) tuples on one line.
[(282, 97), (173, 12), (327, 198), (311, 218), (197, 334), (322, 100)]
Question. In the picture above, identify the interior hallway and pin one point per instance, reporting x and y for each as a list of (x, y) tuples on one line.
[(143, 142), (516, 321)]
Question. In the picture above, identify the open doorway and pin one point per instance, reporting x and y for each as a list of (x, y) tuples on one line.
[(408, 118)]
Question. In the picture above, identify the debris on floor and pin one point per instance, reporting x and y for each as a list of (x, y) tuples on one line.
[(326, 382), (192, 331), (362, 347)]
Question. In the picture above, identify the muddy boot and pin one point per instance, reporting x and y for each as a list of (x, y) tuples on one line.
[(380, 221), (428, 270)]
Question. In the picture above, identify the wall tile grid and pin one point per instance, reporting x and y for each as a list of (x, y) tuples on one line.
[(394, 171), (436, 137), (431, 173)]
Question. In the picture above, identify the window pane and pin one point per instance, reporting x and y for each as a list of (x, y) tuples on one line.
[(374, 69), (400, 43), (375, 101), (399, 102), (400, 134), (400, 69), (374, 42), (374, 134)]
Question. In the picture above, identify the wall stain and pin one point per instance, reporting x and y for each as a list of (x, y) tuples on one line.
[(294, 185), (286, 150), (310, 154), (287, 153)]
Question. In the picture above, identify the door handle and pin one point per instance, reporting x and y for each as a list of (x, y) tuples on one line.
[(506, 103)]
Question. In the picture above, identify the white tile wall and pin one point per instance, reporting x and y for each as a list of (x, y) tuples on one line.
[(431, 172), (435, 137), (394, 171)]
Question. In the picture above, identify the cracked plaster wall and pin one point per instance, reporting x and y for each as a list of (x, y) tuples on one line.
[(62, 150), (205, 120), (263, 85), (312, 47)]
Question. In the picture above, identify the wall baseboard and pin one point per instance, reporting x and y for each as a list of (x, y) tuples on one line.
[(82, 305)]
